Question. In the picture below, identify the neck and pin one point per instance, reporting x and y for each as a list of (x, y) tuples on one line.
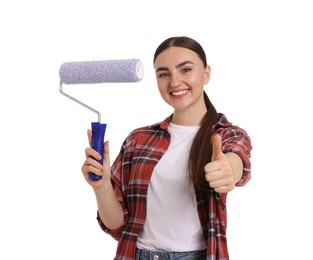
[(190, 118)]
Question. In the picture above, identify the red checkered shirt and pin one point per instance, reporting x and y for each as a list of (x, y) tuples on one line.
[(131, 173)]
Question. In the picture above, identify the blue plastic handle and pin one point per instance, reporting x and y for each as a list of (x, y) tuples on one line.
[(98, 132)]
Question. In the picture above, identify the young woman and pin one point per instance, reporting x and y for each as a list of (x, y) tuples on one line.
[(164, 197)]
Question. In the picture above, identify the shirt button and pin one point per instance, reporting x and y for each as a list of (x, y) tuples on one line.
[(155, 257)]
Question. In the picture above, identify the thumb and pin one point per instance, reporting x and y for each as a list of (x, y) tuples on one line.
[(106, 154), (216, 147), (89, 134)]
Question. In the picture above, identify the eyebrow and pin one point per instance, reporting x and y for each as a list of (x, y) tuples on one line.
[(177, 66)]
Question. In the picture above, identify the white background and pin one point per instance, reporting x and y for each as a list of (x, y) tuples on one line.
[(261, 55)]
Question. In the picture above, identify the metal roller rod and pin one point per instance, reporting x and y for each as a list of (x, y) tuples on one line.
[(79, 102)]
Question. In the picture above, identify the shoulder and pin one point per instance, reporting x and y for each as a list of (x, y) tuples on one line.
[(148, 131), (225, 127), (233, 136)]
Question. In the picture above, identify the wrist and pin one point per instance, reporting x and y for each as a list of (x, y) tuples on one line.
[(103, 189)]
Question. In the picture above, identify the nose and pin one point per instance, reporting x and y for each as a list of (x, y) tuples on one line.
[(175, 80)]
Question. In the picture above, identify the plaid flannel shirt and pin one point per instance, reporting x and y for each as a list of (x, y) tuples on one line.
[(131, 173)]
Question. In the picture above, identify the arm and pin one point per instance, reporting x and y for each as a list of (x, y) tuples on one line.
[(109, 209), (236, 166)]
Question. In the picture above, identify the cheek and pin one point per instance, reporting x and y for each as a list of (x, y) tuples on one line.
[(198, 79), (162, 89), (162, 85)]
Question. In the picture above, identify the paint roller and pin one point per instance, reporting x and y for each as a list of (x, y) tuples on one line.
[(94, 72)]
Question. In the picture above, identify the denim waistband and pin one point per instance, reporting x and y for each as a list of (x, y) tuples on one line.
[(164, 255)]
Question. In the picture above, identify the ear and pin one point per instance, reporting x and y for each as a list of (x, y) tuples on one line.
[(207, 74)]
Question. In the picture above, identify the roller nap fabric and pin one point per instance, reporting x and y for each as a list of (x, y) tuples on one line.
[(105, 71)]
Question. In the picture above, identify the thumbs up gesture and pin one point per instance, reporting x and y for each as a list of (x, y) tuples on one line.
[(219, 173)]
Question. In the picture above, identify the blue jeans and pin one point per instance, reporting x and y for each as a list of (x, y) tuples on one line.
[(163, 255)]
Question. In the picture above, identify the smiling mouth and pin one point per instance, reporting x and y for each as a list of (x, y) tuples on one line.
[(180, 92)]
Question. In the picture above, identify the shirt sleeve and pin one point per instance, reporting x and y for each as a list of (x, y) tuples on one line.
[(115, 233), (236, 140)]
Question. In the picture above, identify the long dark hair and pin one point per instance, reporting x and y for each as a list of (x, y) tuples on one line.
[(201, 148)]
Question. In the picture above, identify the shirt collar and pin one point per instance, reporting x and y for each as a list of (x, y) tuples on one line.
[(163, 124)]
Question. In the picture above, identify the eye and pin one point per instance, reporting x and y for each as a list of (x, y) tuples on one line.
[(163, 75), (187, 69)]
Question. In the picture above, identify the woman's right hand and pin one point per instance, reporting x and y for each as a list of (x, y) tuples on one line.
[(92, 165), (109, 208)]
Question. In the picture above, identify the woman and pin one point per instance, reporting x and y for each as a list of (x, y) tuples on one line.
[(164, 197)]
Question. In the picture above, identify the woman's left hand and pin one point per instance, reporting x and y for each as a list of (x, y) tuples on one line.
[(219, 173)]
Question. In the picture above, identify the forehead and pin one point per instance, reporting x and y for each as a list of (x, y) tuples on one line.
[(175, 55)]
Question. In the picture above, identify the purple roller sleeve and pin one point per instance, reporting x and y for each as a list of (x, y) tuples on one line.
[(106, 71)]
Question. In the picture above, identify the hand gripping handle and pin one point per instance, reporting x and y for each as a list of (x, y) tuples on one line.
[(98, 131)]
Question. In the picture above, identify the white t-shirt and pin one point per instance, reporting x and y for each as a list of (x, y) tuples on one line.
[(172, 222)]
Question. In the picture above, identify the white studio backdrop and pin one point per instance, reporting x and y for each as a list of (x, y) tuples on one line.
[(260, 54)]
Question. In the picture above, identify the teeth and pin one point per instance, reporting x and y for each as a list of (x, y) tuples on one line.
[(181, 92)]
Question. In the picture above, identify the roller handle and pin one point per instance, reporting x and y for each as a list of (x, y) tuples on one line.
[(98, 132)]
